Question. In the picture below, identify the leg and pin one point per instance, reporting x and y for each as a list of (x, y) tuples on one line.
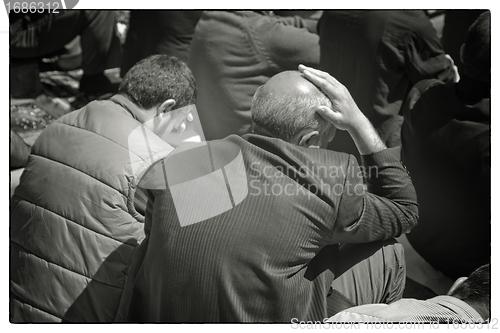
[(100, 43), (366, 274), (43, 34), (420, 271), (46, 34)]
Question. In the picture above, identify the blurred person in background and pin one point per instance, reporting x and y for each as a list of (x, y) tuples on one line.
[(446, 147), (456, 25), (379, 56), (235, 52), (158, 32), (34, 35)]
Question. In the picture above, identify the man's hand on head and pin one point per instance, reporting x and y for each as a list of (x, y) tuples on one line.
[(175, 121), (170, 122), (344, 114), (180, 121)]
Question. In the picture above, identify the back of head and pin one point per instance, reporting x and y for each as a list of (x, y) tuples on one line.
[(157, 78), (286, 104), (477, 49), (476, 291)]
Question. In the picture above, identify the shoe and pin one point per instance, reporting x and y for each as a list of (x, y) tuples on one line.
[(97, 84)]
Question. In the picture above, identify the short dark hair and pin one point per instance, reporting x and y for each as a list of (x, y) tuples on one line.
[(476, 291), (477, 49), (157, 78), (284, 116)]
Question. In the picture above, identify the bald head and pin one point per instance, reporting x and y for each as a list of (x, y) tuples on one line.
[(286, 105), (289, 83)]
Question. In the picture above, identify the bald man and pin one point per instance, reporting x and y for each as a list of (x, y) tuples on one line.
[(248, 228)]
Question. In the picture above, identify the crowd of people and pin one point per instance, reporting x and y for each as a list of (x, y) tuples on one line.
[(258, 166)]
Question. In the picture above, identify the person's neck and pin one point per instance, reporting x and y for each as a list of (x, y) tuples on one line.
[(140, 114)]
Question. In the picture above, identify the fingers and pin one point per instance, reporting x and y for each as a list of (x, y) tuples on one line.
[(328, 114), (321, 74), (447, 56), (181, 128), (180, 119), (321, 79), (322, 83), (317, 72)]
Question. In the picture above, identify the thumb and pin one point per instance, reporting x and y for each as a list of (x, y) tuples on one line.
[(328, 114), (180, 128)]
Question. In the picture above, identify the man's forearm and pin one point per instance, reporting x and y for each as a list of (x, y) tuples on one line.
[(388, 209), (366, 137), (396, 199)]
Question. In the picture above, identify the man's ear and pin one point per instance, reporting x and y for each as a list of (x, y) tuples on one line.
[(166, 106), (308, 138), (455, 285)]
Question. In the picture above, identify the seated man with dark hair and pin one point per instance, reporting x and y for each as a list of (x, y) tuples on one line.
[(468, 300), (247, 228), (74, 226)]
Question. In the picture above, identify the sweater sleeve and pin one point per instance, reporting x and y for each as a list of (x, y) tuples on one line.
[(386, 209), (425, 57)]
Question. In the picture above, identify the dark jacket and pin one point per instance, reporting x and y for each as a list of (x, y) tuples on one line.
[(446, 146), (158, 32), (379, 56), (239, 246)]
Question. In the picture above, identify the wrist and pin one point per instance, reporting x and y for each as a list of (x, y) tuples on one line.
[(366, 137), (359, 125)]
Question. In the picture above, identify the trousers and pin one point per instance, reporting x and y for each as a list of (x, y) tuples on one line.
[(367, 273), (34, 36)]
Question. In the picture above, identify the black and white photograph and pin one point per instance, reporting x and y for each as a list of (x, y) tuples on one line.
[(313, 168)]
